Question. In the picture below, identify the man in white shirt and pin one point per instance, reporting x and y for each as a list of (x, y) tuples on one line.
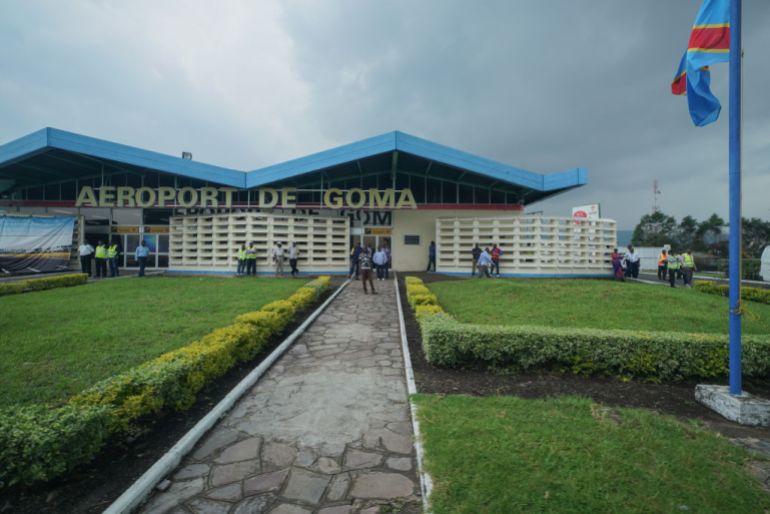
[(484, 263), (278, 255), (380, 262), (293, 254), (632, 262), (86, 253)]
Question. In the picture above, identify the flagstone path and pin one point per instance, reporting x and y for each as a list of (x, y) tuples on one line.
[(327, 430)]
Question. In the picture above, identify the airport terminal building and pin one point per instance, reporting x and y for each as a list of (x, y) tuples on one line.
[(393, 189)]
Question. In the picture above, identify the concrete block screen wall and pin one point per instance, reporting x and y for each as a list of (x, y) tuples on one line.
[(531, 245), (211, 242)]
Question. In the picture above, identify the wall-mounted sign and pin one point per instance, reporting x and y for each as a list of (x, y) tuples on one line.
[(267, 197), (377, 231), (586, 212)]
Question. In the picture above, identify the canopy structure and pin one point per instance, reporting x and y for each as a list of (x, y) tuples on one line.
[(395, 159)]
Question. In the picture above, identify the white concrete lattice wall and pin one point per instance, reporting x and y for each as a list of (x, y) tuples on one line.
[(531, 245), (211, 242)]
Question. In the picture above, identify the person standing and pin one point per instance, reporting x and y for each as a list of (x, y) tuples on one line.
[(241, 260), (475, 253), (355, 254), (688, 266), (673, 264), (380, 261), (293, 255), (432, 256), (388, 259), (617, 265), (632, 262), (100, 258), (278, 259), (86, 253), (496, 253), (365, 265), (251, 259), (483, 263), (141, 254), (112, 256), (662, 265)]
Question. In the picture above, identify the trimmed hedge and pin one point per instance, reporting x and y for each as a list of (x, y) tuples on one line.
[(655, 356), (751, 294), (659, 356), (40, 284), (38, 442)]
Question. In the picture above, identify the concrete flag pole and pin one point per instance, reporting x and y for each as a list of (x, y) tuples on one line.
[(734, 253)]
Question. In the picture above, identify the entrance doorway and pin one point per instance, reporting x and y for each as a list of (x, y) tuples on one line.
[(376, 241)]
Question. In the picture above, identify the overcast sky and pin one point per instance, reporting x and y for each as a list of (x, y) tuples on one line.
[(544, 85)]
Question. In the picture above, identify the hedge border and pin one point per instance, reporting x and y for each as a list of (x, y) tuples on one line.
[(654, 356), (750, 294), (39, 442), (42, 283)]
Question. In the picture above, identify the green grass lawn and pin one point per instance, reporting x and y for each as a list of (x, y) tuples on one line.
[(592, 304), (56, 343), (507, 454)]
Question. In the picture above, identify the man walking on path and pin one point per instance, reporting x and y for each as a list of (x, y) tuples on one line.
[(365, 265), (432, 256), (380, 261), (484, 263), (475, 253), (673, 265), (141, 254), (688, 266), (86, 252), (355, 253)]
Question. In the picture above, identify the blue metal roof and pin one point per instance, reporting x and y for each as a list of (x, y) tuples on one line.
[(49, 139)]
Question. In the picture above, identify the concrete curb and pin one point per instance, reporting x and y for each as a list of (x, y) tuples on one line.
[(141, 489), (426, 482)]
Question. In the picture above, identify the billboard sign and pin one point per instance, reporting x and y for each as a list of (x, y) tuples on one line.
[(586, 212)]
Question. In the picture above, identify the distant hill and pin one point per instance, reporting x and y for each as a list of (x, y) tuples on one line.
[(624, 237)]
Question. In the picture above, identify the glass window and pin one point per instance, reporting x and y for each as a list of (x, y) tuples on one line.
[(450, 192), (163, 261), (466, 194), (157, 216), (482, 195), (127, 217), (163, 243)]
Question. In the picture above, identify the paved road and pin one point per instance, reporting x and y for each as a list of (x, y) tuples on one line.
[(327, 430)]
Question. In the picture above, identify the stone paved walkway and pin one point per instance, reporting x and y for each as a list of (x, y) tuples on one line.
[(327, 430)]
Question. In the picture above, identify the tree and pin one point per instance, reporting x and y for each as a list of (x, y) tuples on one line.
[(656, 229), (709, 232), (756, 235), (686, 233)]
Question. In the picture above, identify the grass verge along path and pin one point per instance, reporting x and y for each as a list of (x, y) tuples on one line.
[(592, 304), (507, 454), (56, 343)]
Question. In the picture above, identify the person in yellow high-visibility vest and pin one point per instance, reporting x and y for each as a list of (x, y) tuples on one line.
[(100, 257), (241, 260), (688, 266), (251, 259), (112, 257)]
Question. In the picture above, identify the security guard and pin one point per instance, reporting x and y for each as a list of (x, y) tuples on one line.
[(251, 259), (112, 257), (673, 268), (100, 256), (688, 266), (241, 259)]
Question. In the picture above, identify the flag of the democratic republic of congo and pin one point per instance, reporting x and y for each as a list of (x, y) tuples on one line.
[(709, 44)]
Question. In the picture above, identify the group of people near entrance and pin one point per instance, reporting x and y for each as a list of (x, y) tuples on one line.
[(105, 256), (670, 265), (365, 259), (247, 259), (486, 261)]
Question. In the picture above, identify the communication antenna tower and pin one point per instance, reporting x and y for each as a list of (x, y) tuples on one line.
[(655, 195)]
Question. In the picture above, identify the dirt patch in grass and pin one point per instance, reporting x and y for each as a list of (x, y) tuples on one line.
[(93, 488), (675, 399)]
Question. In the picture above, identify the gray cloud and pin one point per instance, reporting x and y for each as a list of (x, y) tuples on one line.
[(543, 85)]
